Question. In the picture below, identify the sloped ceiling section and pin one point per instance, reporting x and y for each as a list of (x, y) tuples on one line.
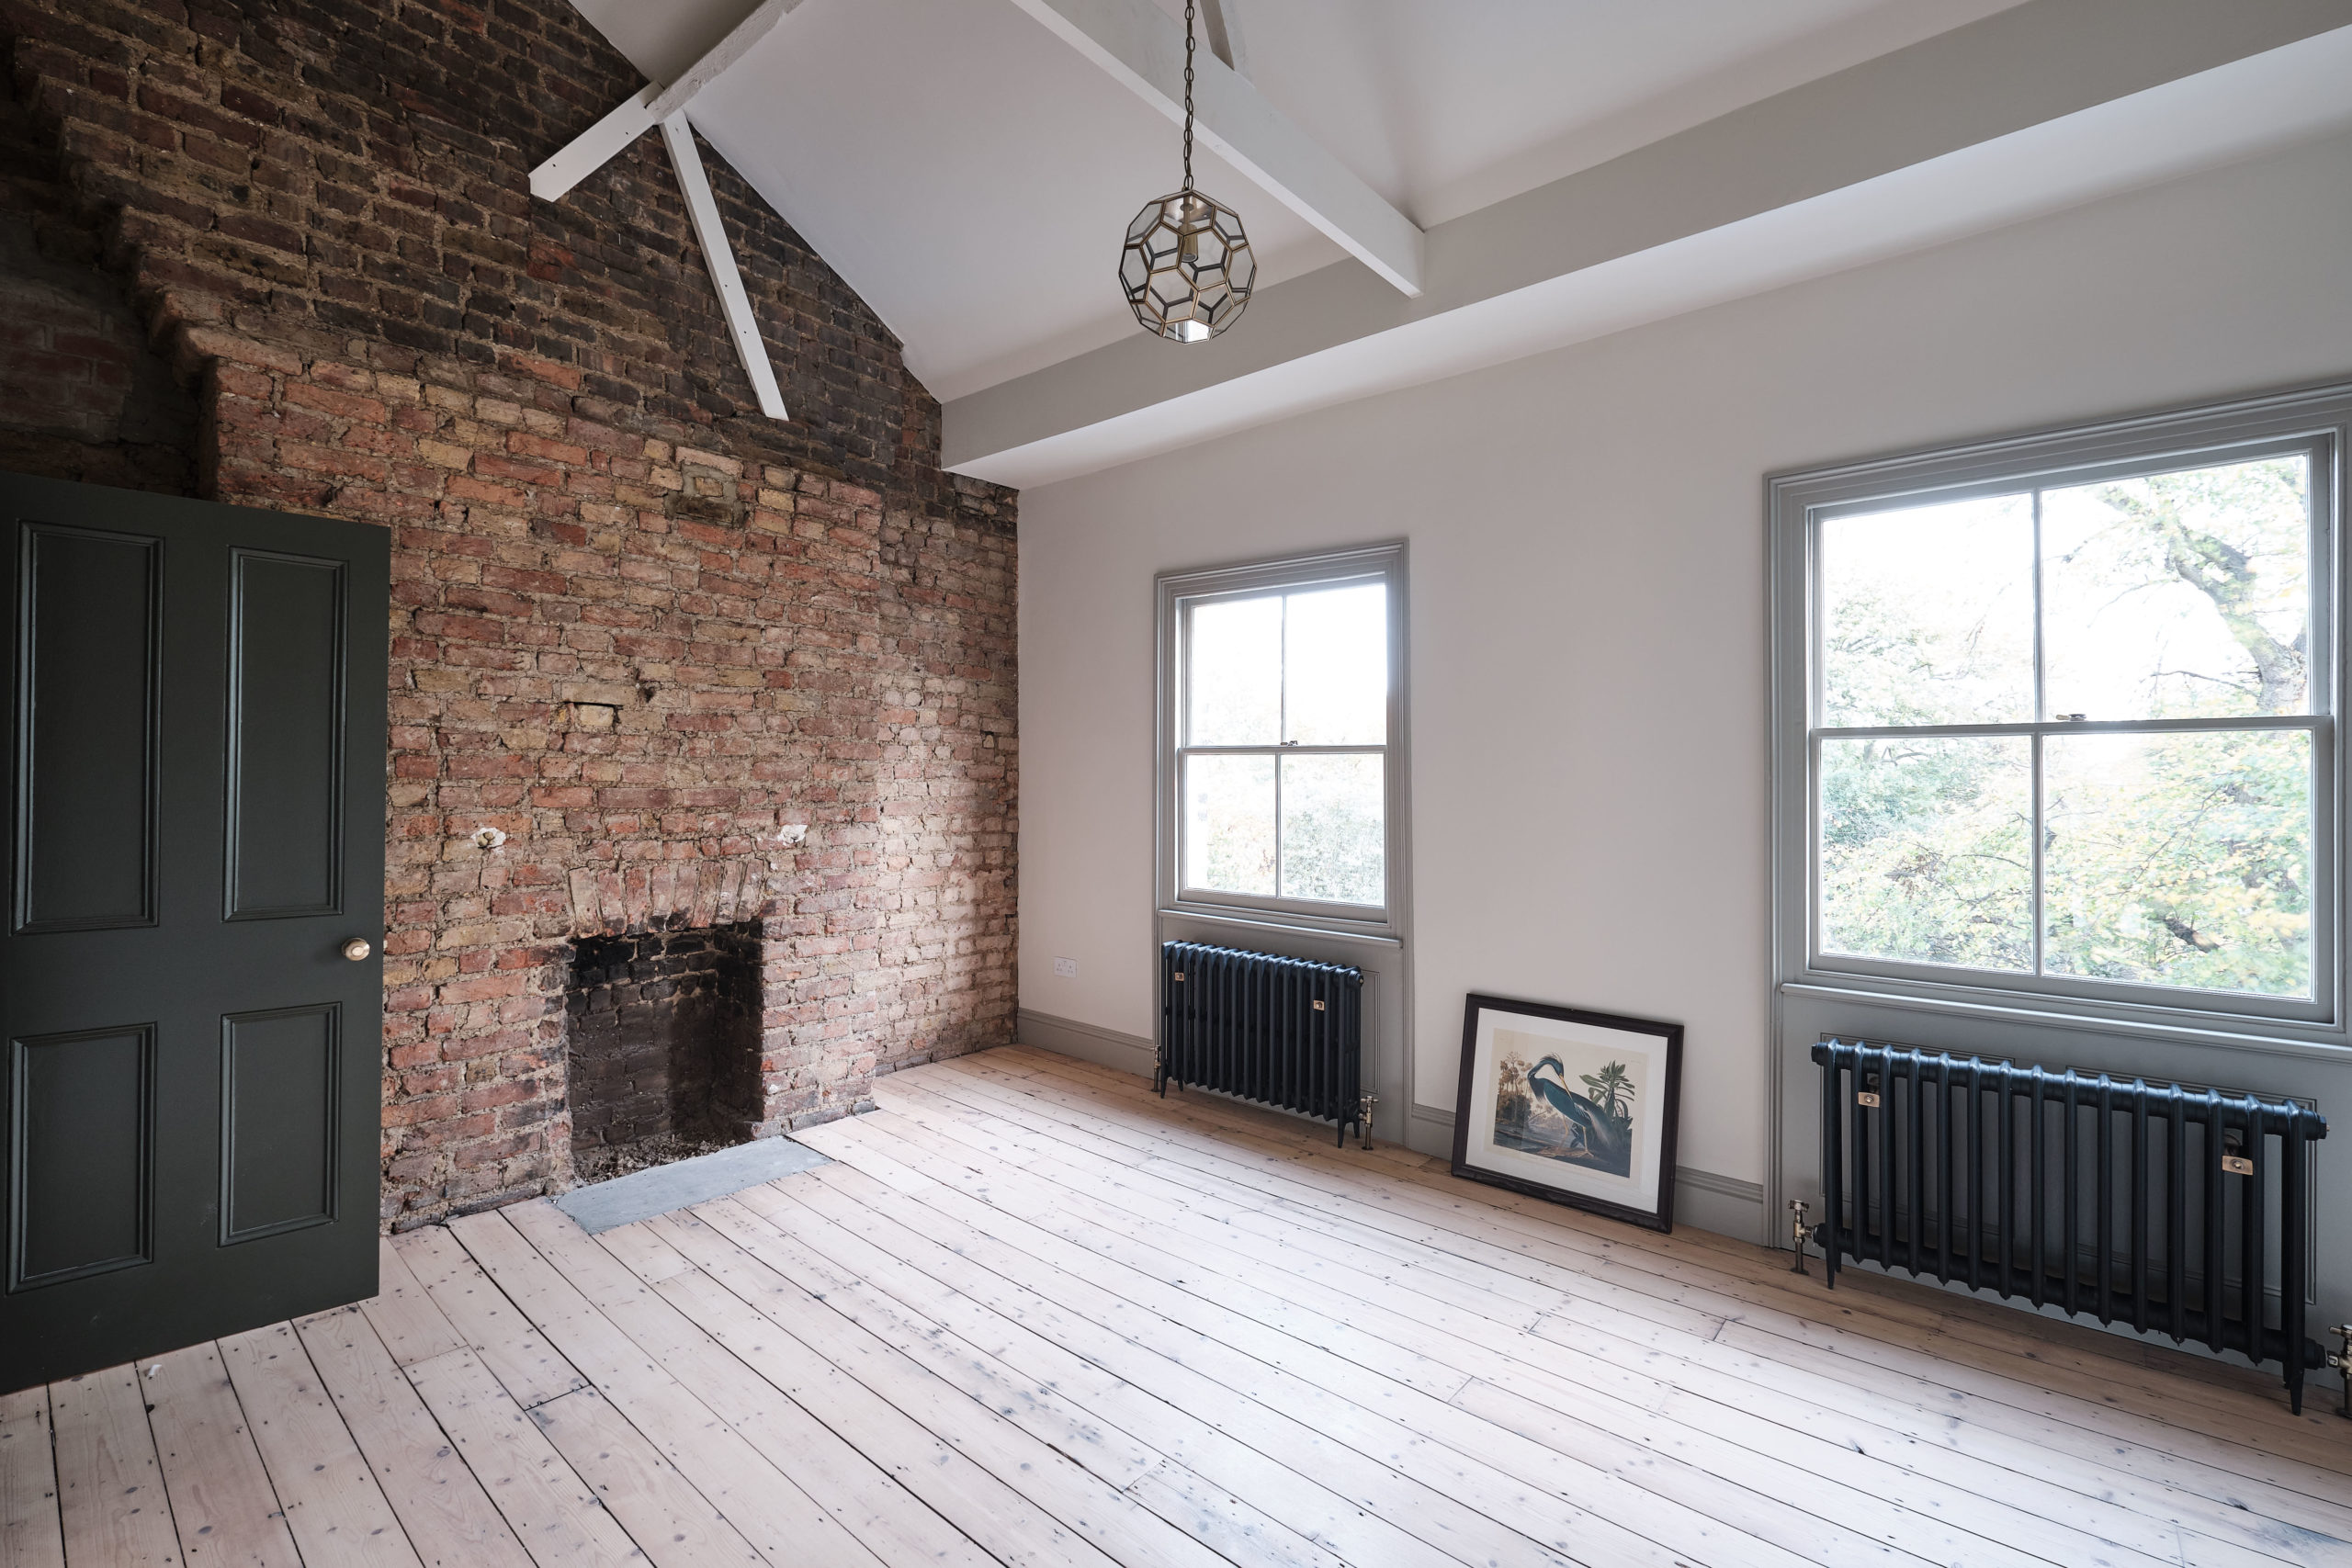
[(1578, 166)]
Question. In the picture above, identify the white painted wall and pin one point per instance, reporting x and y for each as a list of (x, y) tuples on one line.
[(1587, 596)]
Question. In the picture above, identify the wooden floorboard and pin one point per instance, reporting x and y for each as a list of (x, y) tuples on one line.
[(2249, 1394), (1658, 1268), (447, 1514), (109, 1483), (863, 1498), (339, 1515), (1726, 1408), (1286, 1467), (1712, 1481), (224, 1507), (1712, 1474), (32, 1533), (551, 1510), (1034, 1315), (1477, 1477), (410, 1326)]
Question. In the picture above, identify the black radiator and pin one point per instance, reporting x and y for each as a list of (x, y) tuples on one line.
[(1285, 1032), (2132, 1201)]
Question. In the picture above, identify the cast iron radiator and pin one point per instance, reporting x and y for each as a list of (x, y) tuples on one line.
[(2132, 1201), (1282, 1031)]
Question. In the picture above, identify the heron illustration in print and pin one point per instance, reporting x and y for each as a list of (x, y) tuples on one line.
[(1605, 1135)]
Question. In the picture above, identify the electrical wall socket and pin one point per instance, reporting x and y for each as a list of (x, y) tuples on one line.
[(1066, 967)]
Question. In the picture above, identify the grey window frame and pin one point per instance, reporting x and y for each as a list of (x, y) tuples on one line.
[(1179, 593), (2318, 421)]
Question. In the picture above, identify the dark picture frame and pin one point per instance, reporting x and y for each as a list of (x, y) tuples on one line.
[(1603, 1141)]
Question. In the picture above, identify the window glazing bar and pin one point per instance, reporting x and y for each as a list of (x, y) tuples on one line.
[(2042, 716), (2082, 726), (1356, 750), (1282, 717)]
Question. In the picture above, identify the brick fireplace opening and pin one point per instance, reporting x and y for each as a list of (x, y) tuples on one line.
[(663, 1040)]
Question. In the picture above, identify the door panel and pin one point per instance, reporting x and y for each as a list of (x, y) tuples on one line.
[(286, 634), (83, 1133), (89, 683), (230, 665), (277, 1145)]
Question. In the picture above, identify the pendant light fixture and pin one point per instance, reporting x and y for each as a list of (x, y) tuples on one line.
[(1187, 267)]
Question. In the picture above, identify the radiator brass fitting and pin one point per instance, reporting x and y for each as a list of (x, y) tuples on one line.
[(2342, 1362), (1365, 1122), (1798, 1232)]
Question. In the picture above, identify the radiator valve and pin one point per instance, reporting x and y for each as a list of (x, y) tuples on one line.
[(2342, 1362), (1798, 1231), (1364, 1120)]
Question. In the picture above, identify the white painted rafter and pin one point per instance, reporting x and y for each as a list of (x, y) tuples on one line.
[(720, 257), (1143, 49), (1224, 28), (666, 107), (596, 146), (605, 140)]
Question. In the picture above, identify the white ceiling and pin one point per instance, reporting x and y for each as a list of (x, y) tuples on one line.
[(970, 176), (1444, 107)]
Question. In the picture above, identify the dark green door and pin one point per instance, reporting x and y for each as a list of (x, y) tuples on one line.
[(188, 1104)]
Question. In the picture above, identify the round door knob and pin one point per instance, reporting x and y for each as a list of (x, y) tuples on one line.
[(356, 949)]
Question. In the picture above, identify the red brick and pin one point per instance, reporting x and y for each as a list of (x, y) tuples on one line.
[(342, 405)]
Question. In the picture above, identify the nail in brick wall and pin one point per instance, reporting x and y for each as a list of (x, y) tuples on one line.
[(636, 627)]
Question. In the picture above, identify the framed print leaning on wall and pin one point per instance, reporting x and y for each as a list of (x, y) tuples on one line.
[(1572, 1106)]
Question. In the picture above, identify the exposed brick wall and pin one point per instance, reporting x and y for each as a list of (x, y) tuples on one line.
[(636, 627), (81, 395)]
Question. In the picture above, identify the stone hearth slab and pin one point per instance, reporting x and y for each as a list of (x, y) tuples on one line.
[(665, 1189)]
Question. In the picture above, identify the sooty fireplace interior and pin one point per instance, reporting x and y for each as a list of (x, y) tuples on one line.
[(663, 1029)]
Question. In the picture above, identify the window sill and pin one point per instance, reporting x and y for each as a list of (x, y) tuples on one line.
[(1379, 934), (2273, 1037)]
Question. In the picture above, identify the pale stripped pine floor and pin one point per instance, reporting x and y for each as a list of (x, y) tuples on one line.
[(1034, 1317)]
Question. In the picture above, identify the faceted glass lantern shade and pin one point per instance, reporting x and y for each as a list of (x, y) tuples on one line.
[(1187, 268)]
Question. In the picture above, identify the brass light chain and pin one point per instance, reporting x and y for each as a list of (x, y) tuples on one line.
[(1188, 95)]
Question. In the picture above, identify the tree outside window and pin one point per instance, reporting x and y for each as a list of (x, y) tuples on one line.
[(2068, 730)]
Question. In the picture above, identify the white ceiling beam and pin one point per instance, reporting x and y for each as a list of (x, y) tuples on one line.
[(610, 136), (719, 256), (2040, 106), (1143, 49), (1224, 27)]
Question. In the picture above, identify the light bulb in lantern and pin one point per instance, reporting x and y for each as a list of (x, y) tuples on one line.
[(1187, 268)]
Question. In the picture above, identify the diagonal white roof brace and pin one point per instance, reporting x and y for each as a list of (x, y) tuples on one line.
[(666, 107), (1143, 49), (596, 146), (603, 142), (1220, 21), (720, 258)]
